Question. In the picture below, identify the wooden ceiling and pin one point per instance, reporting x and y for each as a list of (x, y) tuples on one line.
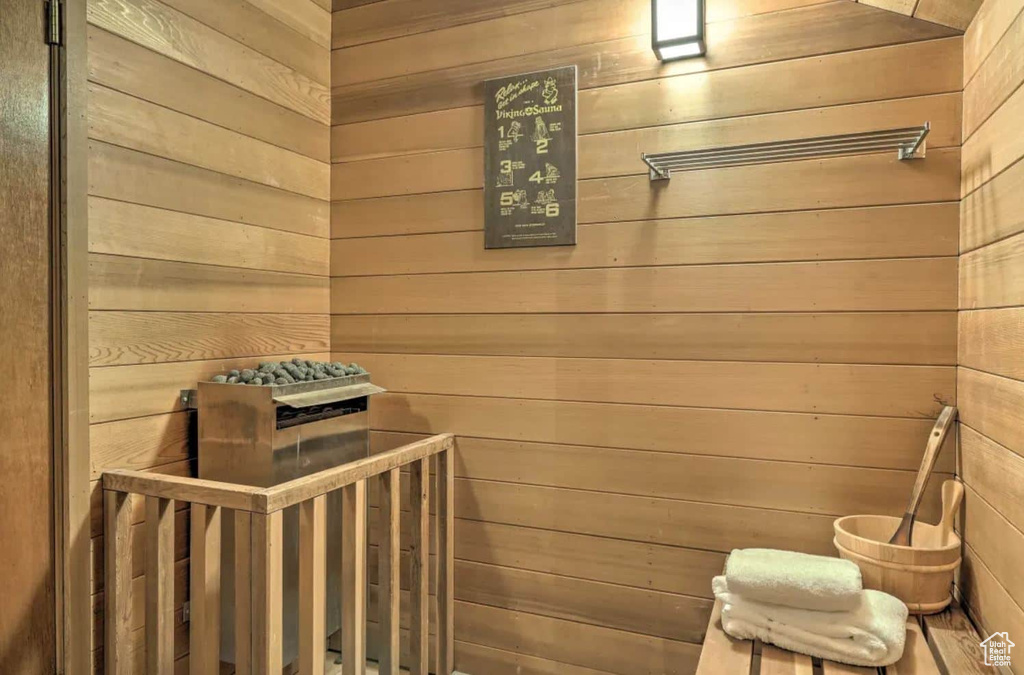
[(952, 13)]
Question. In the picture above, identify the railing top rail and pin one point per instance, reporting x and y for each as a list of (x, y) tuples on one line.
[(184, 488), (299, 490), (268, 500)]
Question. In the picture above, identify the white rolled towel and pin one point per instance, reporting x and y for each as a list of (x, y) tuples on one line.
[(794, 579), (873, 634)]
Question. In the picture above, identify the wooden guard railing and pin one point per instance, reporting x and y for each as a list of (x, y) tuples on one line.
[(258, 518)]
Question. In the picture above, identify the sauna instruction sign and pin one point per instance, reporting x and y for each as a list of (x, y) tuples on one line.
[(530, 159)]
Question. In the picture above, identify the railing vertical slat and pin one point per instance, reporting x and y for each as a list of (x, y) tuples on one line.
[(267, 598), (388, 565), (243, 593), (445, 476), (204, 596), (419, 568), (353, 579), (117, 538), (159, 586), (312, 585)]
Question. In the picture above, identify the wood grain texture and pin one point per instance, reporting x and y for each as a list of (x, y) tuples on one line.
[(835, 79), (910, 338), (992, 20), (120, 64), (991, 405), (995, 146), (826, 439), (140, 444), (120, 228), (995, 540), (994, 211), (996, 78), (901, 391), (993, 276), (30, 597), (127, 175), (920, 284), (884, 232), (130, 122), (129, 338), (990, 341), (182, 38), (835, 27), (993, 471), (247, 23), (121, 283)]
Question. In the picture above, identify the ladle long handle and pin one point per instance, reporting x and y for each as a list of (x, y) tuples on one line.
[(935, 440)]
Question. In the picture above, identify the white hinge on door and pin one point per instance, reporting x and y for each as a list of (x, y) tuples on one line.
[(54, 23)]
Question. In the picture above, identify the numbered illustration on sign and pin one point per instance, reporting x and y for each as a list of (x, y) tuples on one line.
[(530, 159)]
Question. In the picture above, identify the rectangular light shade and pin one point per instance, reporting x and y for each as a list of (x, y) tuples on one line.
[(677, 30)]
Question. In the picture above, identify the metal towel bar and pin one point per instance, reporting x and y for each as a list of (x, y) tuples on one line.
[(908, 142)]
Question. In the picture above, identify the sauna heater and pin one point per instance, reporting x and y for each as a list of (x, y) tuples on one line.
[(266, 435)]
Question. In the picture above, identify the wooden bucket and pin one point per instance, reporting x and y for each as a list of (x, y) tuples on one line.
[(920, 575)]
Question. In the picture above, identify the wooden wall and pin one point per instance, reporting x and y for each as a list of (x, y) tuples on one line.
[(731, 359), (208, 217), (991, 374)]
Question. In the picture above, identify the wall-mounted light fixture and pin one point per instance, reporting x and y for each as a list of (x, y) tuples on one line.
[(677, 29)]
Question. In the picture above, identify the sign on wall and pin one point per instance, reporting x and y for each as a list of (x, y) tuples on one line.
[(530, 159)]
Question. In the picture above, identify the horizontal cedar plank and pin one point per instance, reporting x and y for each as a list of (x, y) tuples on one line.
[(918, 284), (865, 180), (130, 176), (682, 571), (308, 17), (917, 230), (832, 27), (123, 392), (994, 472), (835, 79), (953, 13), (140, 444), (471, 658), (613, 561), (987, 598), (245, 22), (396, 18), (995, 146), (648, 612), (896, 391), (993, 211), (993, 406), (182, 38), (138, 612), (558, 26), (409, 214), (922, 338), (133, 123), (823, 439), (122, 228), (339, 5), (853, 181), (993, 276), (643, 611), (713, 527), (617, 153), (990, 23), (125, 66), (996, 541), (619, 652), (127, 338), (997, 77), (786, 486), (990, 341), (121, 283)]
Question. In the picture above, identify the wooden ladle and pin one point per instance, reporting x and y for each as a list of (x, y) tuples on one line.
[(942, 426), (952, 493)]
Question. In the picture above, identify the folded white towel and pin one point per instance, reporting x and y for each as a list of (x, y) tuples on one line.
[(872, 634), (794, 579)]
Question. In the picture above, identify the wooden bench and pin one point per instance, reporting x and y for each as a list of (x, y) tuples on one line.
[(943, 644)]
